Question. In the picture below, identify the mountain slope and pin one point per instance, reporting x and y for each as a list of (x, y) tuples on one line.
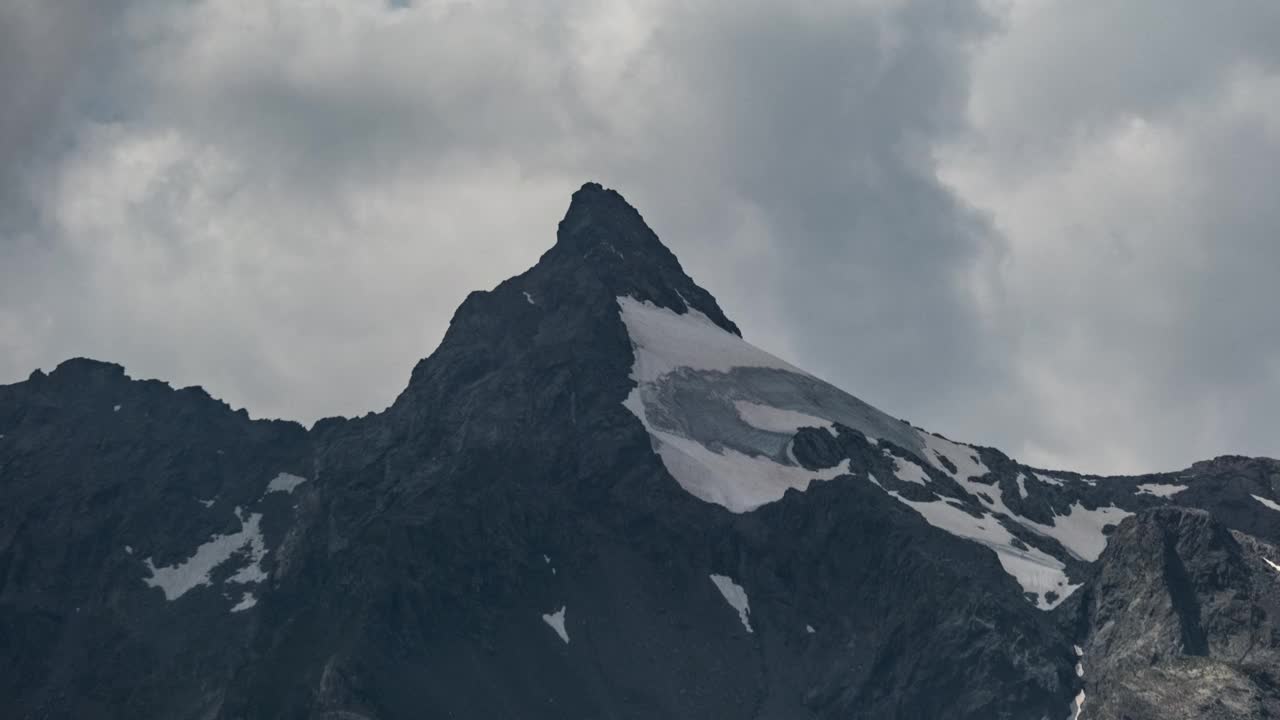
[(594, 499)]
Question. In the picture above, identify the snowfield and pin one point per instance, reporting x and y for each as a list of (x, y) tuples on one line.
[(722, 415), (733, 451)]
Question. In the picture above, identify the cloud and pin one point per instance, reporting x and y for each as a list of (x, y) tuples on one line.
[(1036, 224), (1125, 151)]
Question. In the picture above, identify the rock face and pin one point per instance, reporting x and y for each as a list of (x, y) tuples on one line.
[(596, 500), (1181, 621)]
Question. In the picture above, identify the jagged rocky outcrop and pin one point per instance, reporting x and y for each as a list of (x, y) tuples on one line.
[(595, 499), (1181, 620), (102, 478)]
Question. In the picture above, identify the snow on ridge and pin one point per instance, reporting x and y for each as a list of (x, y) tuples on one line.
[(556, 621), (176, 580), (1035, 570), (664, 340), (1079, 531), (742, 477), (1273, 565), (284, 482), (739, 478), (736, 596), (1268, 503), (778, 420), (743, 472), (968, 463), (1048, 479), (1160, 490)]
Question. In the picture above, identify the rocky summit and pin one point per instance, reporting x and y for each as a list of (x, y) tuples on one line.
[(596, 500)]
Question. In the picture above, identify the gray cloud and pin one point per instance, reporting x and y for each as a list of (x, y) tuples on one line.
[(1124, 150), (1042, 225)]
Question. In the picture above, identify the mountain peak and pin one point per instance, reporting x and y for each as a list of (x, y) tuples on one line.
[(570, 299), (603, 226), (604, 236)]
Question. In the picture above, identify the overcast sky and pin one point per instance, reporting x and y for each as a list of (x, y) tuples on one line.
[(1048, 226)]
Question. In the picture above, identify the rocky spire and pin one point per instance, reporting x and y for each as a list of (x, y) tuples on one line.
[(604, 237)]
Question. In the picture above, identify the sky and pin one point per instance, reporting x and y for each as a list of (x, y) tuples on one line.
[(1048, 226)]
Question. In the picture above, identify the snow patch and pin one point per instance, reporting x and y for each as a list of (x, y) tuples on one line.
[(206, 503), (1269, 503), (1077, 705), (246, 601), (1273, 565), (1035, 570), (736, 597), (176, 580), (128, 549), (809, 629), (257, 550), (1048, 479), (1160, 490), (529, 298), (968, 464), (772, 419), (115, 408), (1022, 486), (908, 471), (1080, 530), (556, 621), (284, 482)]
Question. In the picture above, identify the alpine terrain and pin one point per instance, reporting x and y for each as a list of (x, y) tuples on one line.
[(595, 500)]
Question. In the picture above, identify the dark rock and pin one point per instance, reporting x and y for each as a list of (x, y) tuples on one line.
[(1182, 620)]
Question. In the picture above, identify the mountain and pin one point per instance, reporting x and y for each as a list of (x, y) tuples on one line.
[(595, 499)]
